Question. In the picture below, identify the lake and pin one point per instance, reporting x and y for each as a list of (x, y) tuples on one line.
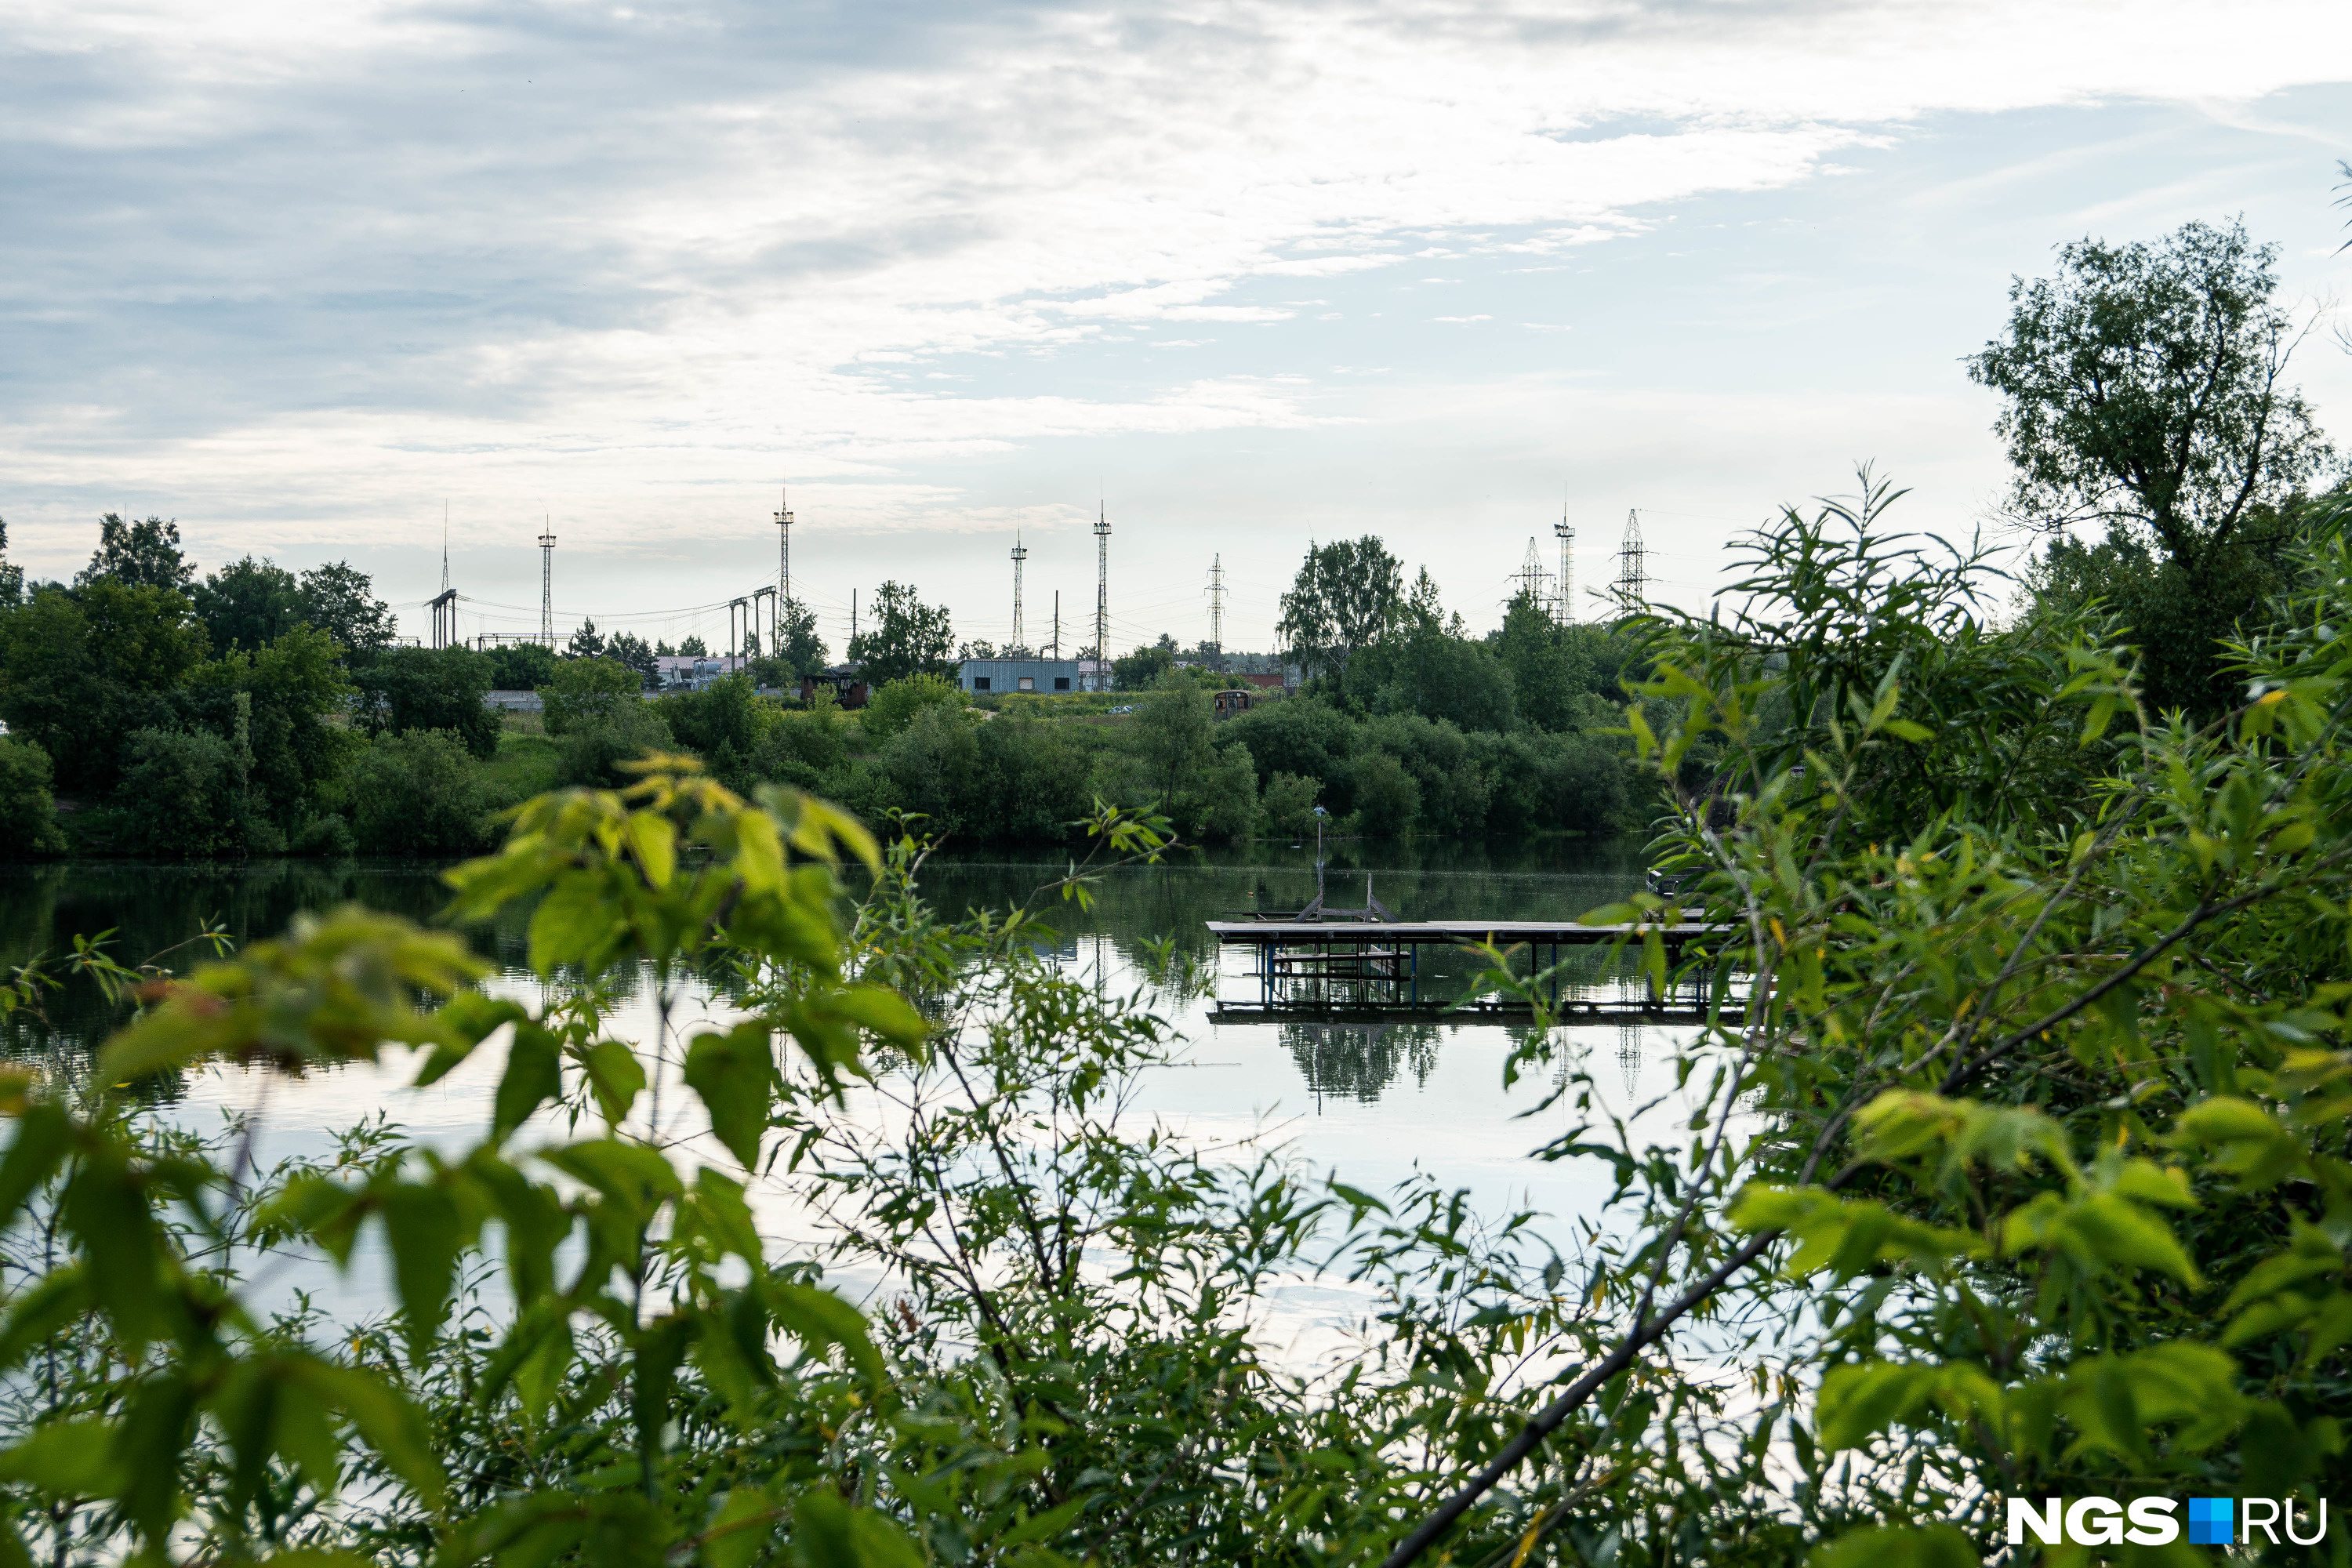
[(1373, 1103)]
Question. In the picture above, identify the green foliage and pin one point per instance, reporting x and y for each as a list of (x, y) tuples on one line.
[(1550, 666), (340, 600), (1437, 675), (593, 753), (2146, 391), (28, 822), (248, 602), (1388, 798), (275, 703), (138, 555), (1142, 669), (1289, 802), (725, 715), (905, 638), (588, 691), (419, 791), (798, 647), (81, 671), (1349, 595), (895, 704), (630, 649), (585, 643), (404, 689), (182, 794), (520, 667)]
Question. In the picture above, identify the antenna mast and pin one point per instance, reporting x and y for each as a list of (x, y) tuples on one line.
[(547, 583), (1217, 608), (1019, 553), (783, 570), (1102, 594), (1565, 532), (445, 546), (1632, 578)]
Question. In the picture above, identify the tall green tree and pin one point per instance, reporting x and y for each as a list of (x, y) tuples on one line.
[(1348, 595), (138, 554), (406, 689), (340, 600), (2146, 388), (80, 670), (291, 689), (1551, 672), (908, 637), (797, 644), (248, 602), (12, 576)]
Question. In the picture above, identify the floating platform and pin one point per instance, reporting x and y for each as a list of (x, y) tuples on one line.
[(1449, 934)]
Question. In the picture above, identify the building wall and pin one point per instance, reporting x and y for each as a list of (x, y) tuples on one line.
[(995, 676)]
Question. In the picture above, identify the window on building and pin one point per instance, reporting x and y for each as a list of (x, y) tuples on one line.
[(980, 683), (1061, 683), (1028, 683)]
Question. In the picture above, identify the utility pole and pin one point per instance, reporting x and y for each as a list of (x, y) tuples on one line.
[(1531, 576), (784, 568), (1565, 534), (547, 583), (1217, 609), (1020, 555), (853, 620), (1102, 594), (1632, 578)]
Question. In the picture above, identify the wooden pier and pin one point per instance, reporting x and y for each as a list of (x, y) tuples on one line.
[(1366, 968)]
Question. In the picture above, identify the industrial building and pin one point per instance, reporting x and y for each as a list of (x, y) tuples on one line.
[(992, 676)]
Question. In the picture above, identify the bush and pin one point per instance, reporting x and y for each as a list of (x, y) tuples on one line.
[(1299, 735), (420, 792), (895, 705), (728, 713), (593, 749), (429, 689), (178, 795), (588, 692), (28, 819), (1387, 797), (1289, 802), (522, 667), (325, 835)]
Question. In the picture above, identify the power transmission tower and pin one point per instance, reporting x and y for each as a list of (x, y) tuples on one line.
[(1565, 534), (1020, 555), (1217, 608), (445, 606), (1102, 594), (1057, 623), (1632, 576), (784, 568), (547, 583), (445, 546), (1531, 576)]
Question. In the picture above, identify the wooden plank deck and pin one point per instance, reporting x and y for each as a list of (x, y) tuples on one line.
[(1445, 933)]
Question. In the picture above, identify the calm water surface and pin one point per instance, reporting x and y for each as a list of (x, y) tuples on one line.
[(1375, 1104)]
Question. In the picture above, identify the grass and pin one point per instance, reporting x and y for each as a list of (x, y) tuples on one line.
[(525, 765)]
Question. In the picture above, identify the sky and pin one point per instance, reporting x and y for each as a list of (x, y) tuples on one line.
[(309, 278)]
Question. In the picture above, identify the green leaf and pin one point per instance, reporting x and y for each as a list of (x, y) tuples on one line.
[(747, 1517), (615, 1077), (1898, 1546), (44, 1138), (46, 1309), (386, 1422), (66, 1459), (423, 1225), (735, 1073), (828, 1532), (819, 1318), (534, 1076)]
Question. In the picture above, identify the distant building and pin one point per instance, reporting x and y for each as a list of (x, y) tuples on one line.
[(995, 676), (513, 701), (1270, 682), (846, 682)]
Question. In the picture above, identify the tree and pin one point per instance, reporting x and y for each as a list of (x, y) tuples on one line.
[(340, 600), (404, 689), (1348, 595), (585, 643), (2146, 390), (1141, 670), (895, 703), (28, 820), (248, 602), (12, 576), (627, 648), (588, 691), (910, 637), (979, 648), (520, 667), (692, 647), (138, 554), (80, 669), (276, 701), (419, 791), (1550, 672), (797, 643)]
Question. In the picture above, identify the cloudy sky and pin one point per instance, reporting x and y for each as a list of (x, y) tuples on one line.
[(303, 275)]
